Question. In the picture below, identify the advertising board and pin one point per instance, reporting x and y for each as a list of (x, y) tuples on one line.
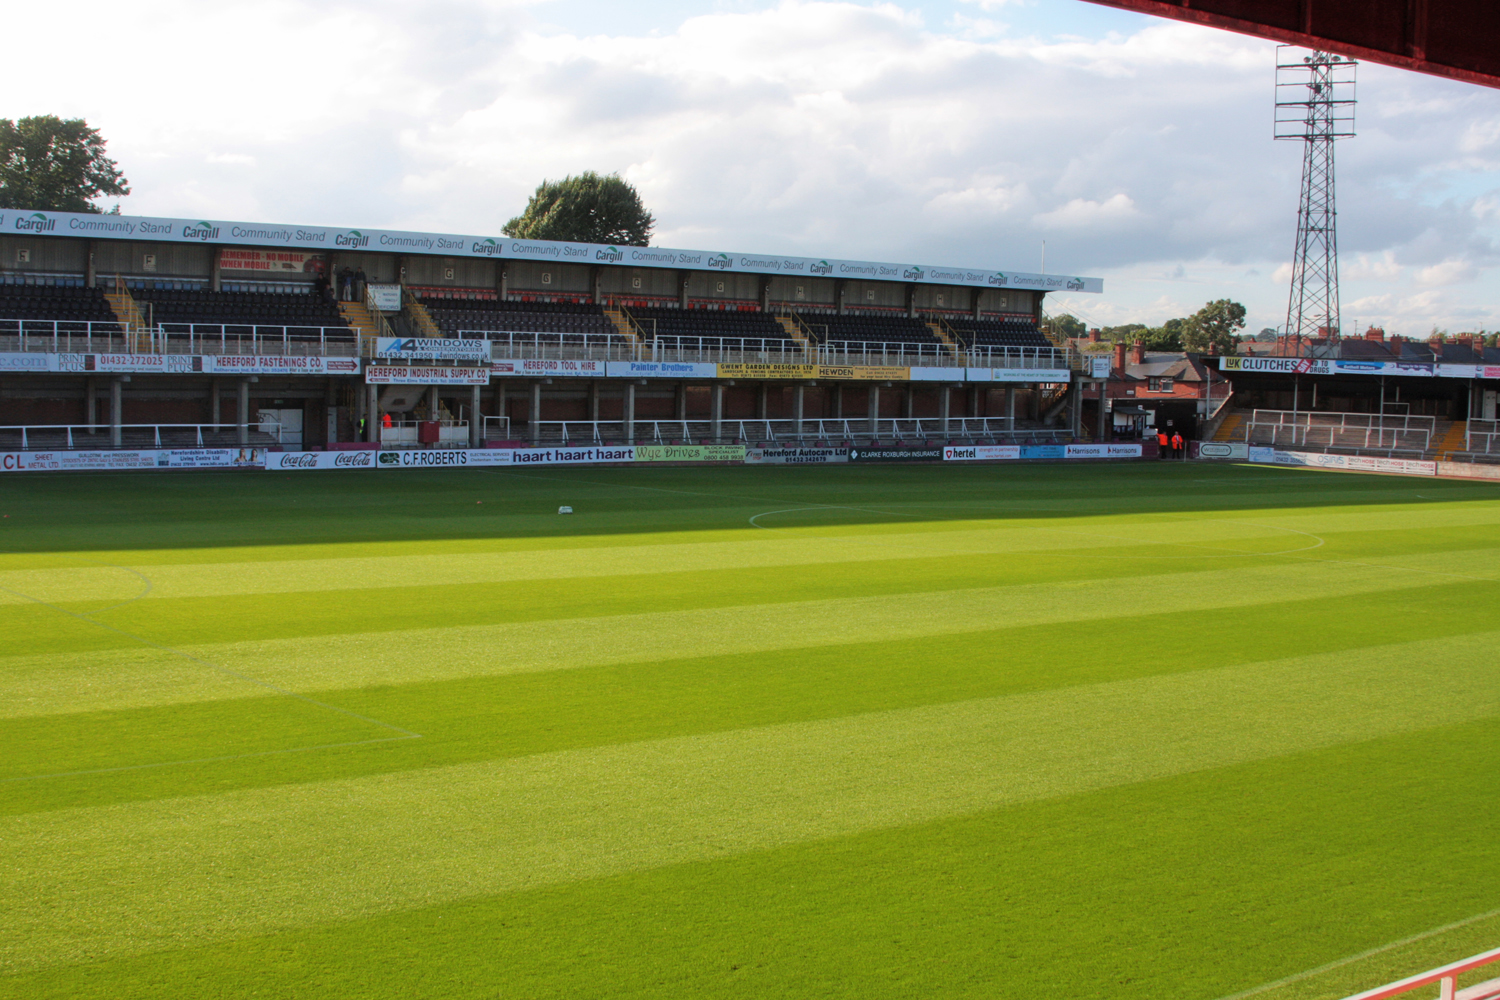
[(442, 458), (1102, 451), (662, 369), (689, 453), (307, 461), (383, 298), (25, 362), (1047, 375), (796, 456), (573, 456), (1228, 451), (858, 373), (403, 375), (293, 261), (432, 348), (1352, 463), (549, 369), (982, 453), (110, 461), (164, 364), (249, 364), (931, 374), (895, 454)]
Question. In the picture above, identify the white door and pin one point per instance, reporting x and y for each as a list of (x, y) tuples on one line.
[(284, 425)]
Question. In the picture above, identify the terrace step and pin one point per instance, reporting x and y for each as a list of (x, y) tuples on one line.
[(1230, 429), (795, 329), (1453, 440), (946, 336), (128, 314), (625, 324)]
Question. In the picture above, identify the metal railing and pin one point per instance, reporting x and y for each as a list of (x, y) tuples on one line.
[(24, 336), (73, 437), (1446, 978), (528, 345), (898, 430), (1356, 432)]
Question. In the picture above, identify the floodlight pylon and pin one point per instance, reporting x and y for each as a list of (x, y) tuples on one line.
[(1315, 104)]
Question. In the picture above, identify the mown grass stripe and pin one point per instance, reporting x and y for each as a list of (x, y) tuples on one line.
[(150, 875)]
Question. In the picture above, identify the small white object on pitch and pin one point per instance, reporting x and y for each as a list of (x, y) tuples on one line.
[(565, 510)]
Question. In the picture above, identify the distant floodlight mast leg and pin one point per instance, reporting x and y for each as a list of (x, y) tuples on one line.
[(1314, 104)]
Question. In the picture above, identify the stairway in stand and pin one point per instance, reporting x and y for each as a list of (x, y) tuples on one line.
[(128, 314), (947, 337), (795, 331), (1230, 429), (625, 325), (1452, 441), (358, 316)]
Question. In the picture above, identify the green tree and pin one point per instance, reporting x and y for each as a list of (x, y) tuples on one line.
[(1065, 325), (1214, 327), (1167, 337), (589, 208), (56, 165)]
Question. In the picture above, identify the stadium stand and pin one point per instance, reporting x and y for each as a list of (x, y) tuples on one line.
[(871, 328), (1348, 433), (677, 328), (74, 304), (1008, 332), (570, 321), (192, 320)]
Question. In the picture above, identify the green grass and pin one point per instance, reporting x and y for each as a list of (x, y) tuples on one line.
[(1130, 731)]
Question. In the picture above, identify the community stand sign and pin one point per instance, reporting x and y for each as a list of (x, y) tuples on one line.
[(324, 239), (111, 461)]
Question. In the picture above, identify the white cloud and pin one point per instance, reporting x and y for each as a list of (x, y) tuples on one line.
[(799, 127), (1363, 267), (1453, 271)]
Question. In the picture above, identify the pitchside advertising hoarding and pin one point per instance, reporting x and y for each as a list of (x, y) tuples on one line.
[(1007, 453), (1042, 375), (322, 239), (112, 461), (1353, 463), (795, 456)]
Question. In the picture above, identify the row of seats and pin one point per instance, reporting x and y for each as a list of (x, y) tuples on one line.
[(673, 325), (1011, 332), (871, 329), (461, 315), (184, 308), (52, 302)]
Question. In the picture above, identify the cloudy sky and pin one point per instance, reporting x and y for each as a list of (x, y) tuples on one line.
[(960, 132)]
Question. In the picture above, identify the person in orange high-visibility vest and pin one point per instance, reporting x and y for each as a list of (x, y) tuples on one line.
[(385, 420), (1177, 444), (1162, 443)]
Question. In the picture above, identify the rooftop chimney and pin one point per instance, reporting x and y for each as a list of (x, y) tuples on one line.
[(1093, 336), (1119, 355), (1138, 353)]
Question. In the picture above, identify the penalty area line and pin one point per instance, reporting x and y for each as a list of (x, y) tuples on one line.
[(1340, 963)]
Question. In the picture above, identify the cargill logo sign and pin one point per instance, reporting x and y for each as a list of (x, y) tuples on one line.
[(913, 274), (202, 231), (821, 267), (36, 222), (353, 238), (719, 260), (487, 247), (609, 253)]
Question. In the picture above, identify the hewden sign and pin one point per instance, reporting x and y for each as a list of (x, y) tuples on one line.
[(321, 238)]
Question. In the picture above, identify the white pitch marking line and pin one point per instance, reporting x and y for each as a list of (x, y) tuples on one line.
[(1298, 977)]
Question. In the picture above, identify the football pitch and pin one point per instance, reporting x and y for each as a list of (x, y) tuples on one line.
[(1136, 731)]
